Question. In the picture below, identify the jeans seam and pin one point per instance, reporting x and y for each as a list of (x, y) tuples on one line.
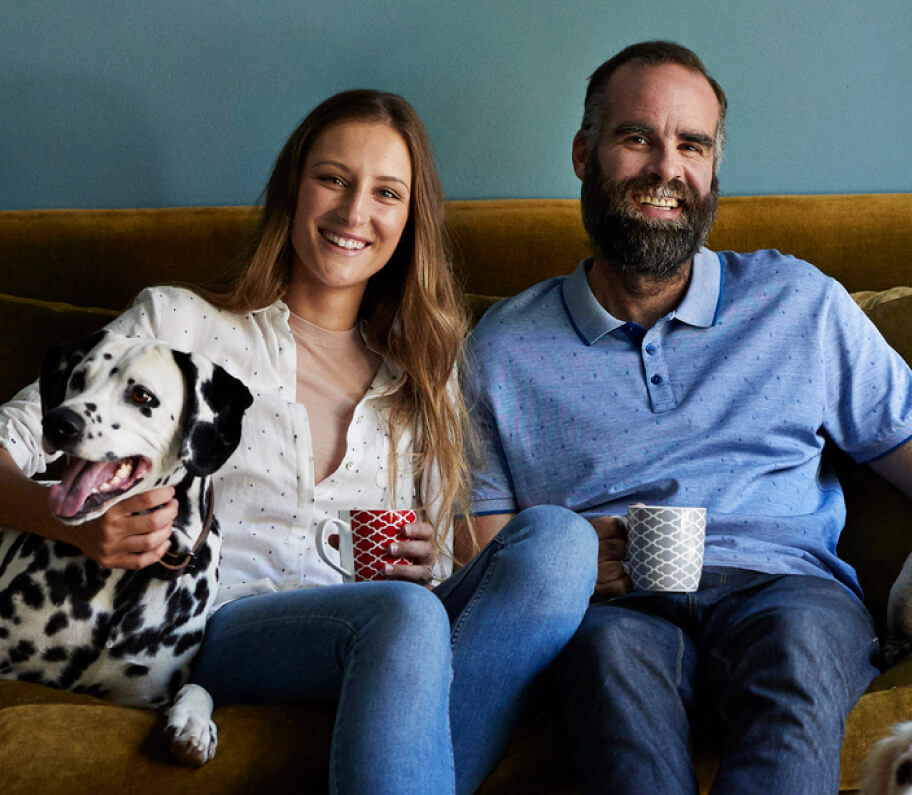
[(340, 713), (479, 592)]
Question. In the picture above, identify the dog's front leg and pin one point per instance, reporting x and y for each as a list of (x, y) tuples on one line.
[(190, 728), (899, 616)]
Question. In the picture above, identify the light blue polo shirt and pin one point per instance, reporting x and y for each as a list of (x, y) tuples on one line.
[(726, 403)]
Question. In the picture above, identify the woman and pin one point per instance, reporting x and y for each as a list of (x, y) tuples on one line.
[(347, 326)]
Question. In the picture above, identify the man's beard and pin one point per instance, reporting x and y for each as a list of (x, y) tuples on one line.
[(638, 245)]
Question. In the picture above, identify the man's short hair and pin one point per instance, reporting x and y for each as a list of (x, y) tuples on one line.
[(647, 53)]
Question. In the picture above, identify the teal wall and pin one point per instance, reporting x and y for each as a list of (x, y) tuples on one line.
[(107, 103)]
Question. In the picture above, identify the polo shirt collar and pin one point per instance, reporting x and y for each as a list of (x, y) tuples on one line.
[(699, 306)]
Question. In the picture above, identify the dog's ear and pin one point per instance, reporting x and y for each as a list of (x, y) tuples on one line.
[(59, 363), (213, 413)]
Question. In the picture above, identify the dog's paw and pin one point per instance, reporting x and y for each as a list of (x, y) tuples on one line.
[(190, 731)]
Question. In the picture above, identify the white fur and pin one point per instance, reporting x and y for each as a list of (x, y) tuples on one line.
[(190, 728), (888, 767)]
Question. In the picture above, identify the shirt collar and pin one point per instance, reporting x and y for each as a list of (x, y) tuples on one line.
[(699, 306)]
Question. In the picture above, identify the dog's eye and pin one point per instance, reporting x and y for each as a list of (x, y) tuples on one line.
[(141, 396), (77, 382)]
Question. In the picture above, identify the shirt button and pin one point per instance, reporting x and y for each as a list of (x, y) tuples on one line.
[(349, 466), (656, 379), (650, 349)]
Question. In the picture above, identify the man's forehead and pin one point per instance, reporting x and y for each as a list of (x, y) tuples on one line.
[(665, 91)]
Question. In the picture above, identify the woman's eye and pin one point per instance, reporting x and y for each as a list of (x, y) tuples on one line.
[(386, 193)]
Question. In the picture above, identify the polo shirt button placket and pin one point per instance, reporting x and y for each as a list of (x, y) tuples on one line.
[(658, 386)]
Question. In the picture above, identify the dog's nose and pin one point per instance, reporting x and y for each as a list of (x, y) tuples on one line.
[(62, 426)]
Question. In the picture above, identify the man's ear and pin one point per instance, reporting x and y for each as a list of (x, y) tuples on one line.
[(580, 153)]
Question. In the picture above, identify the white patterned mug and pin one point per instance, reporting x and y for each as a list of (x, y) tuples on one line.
[(364, 539), (665, 547)]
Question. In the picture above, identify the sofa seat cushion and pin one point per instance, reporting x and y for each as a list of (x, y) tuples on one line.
[(56, 741)]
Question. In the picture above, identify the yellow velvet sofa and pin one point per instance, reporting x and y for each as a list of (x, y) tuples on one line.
[(65, 272)]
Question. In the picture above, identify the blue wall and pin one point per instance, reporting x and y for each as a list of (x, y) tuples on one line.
[(186, 102)]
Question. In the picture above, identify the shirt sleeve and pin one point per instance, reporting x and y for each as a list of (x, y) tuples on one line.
[(868, 384), (492, 485)]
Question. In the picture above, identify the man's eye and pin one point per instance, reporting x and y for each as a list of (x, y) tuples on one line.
[(141, 396)]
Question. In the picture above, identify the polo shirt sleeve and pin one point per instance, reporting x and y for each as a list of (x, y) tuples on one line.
[(492, 486), (868, 384)]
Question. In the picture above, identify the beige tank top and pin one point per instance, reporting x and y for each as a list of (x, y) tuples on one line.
[(335, 368)]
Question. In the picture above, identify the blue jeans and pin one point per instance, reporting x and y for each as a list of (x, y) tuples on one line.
[(778, 659), (399, 660)]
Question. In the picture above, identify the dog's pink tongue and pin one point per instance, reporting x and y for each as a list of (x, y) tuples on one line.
[(79, 481)]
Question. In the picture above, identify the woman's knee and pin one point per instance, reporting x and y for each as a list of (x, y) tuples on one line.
[(561, 534), (556, 546), (404, 608)]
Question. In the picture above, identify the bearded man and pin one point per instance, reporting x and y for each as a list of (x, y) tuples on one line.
[(665, 373)]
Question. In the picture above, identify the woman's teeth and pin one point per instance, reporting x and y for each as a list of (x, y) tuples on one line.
[(344, 242)]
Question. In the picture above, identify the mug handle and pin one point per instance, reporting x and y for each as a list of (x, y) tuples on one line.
[(346, 552), (622, 520)]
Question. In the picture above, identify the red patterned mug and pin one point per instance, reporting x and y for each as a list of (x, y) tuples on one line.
[(364, 539)]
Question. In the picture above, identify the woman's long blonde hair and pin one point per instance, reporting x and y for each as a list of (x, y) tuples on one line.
[(412, 311)]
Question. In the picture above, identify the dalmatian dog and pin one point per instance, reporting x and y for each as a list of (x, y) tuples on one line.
[(129, 415)]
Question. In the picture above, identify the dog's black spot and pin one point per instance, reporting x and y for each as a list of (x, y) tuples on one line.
[(54, 654), (22, 651), (4, 632), (201, 594), (27, 589), (136, 671), (91, 406), (33, 676), (114, 371), (115, 426), (91, 435), (41, 558), (79, 584), (63, 550), (96, 691), (107, 356), (130, 382), (187, 641), (55, 623), (146, 411), (904, 774)]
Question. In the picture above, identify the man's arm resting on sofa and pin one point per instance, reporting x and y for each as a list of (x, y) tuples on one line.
[(119, 539), (896, 468)]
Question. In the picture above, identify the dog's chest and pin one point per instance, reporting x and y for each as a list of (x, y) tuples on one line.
[(68, 623)]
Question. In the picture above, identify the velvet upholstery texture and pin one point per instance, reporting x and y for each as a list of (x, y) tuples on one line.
[(64, 273)]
